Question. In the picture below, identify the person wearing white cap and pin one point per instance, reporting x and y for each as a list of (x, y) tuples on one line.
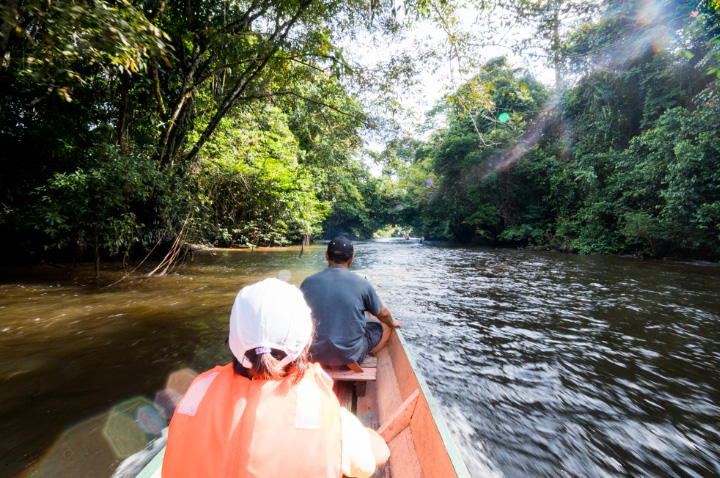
[(270, 412)]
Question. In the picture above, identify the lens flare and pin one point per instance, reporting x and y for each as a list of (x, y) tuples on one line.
[(525, 142), (150, 420), (166, 400), (651, 34), (181, 380), (124, 435), (128, 424), (177, 384), (80, 451), (504, 117), (650, 12)]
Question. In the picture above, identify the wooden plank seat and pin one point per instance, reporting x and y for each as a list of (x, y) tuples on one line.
[(367, 375), (369, 362), (365, 372), (350, 381)]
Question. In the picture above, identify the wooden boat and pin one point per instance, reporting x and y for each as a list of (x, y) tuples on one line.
[(394, 399), (390, 396)]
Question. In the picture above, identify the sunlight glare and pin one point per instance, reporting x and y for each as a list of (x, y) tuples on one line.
[(527, 140), (649, 12)]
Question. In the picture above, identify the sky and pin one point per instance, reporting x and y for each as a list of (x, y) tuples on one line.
[(436, 80)]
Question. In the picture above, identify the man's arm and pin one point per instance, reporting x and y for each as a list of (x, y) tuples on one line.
[(386, 318), (371, 300)]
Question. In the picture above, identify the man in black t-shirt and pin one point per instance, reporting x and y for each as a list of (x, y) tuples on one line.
[(338, 300)]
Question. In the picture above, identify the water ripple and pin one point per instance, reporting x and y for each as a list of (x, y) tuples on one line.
[(560, 365), (544, 364)]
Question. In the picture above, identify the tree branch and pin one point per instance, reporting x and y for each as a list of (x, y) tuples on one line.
[(246, 79), (305, 98)]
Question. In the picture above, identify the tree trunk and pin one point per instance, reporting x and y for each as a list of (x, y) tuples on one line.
[(555, 46), (97, 254), (123, 111)]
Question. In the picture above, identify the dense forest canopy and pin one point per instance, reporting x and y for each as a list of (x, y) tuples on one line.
[(125, 126), (621, 156)]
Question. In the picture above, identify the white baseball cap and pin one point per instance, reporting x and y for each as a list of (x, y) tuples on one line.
[(269, 314)]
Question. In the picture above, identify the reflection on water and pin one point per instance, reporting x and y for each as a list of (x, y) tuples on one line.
[(544, 364)]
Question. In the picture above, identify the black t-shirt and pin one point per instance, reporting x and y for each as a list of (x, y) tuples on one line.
[(338, 300)]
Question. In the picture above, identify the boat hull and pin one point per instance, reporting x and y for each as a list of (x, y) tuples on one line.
[(419, 440)]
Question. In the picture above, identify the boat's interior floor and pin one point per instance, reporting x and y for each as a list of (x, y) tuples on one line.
[(357, 392)]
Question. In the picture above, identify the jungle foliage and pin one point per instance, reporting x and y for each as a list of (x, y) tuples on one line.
[(126, 124), (625, 158)]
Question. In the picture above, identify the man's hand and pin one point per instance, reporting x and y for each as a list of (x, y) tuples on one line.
[(386, 318)]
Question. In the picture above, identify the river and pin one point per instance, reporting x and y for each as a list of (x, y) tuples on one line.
[(544, 364)]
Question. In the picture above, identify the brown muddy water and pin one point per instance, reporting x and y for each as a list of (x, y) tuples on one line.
[(544, 364)]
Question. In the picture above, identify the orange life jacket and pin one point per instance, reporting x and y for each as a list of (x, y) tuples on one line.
[(229, 426)]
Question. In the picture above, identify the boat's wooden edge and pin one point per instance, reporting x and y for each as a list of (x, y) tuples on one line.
[(453, 453), (153, 469)]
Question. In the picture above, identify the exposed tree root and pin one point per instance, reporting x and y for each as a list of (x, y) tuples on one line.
[(172, 259)]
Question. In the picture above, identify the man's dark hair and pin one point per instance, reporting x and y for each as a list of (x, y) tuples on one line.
[(340, 249)]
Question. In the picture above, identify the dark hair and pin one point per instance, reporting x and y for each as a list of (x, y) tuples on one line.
[(337, 256), (267, 366)]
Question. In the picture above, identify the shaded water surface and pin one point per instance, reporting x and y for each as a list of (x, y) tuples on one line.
[(544, 364)]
